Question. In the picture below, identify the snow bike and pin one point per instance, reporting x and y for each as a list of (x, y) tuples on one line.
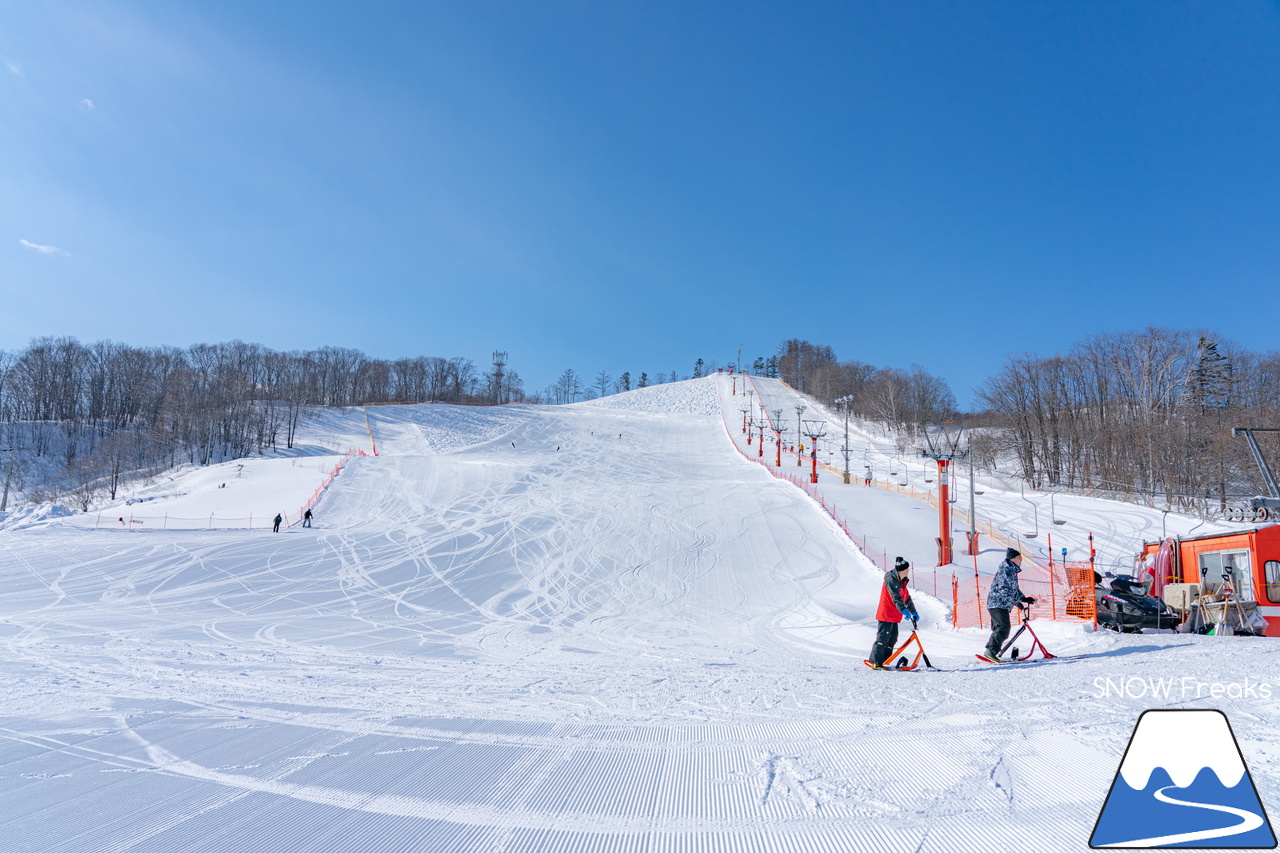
[(1015, 655), (1026, 628), (902, 664)]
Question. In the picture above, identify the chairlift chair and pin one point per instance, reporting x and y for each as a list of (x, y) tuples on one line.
[(1053, 512)]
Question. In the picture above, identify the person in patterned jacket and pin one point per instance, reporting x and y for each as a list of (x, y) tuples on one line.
[(895, 604), (1003, 596)]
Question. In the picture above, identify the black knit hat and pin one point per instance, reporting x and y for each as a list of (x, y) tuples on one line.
[(900, 564), (1011, 553)]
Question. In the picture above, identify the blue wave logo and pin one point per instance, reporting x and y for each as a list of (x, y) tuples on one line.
[(1183, 783)]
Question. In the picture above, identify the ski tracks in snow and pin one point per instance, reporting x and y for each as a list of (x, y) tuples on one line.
[(635, 643)]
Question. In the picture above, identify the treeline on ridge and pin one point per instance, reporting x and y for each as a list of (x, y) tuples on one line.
[(1147, 413), (105, 411)]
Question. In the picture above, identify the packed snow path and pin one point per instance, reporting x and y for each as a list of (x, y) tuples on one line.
[(593, 627)]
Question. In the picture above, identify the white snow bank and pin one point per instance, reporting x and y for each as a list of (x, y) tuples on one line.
[(227, 492), (689, 397), (34, 515)]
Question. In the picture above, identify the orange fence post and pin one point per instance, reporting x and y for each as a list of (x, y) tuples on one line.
[(955, 601), (1053, 592)]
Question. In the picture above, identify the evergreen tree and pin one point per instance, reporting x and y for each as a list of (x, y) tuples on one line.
[(624, 381), (698, 367), (1210, 379), (644, 380)]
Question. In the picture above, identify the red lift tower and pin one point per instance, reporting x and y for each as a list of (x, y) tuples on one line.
[(942, 444), (778, 430), (814, 430)]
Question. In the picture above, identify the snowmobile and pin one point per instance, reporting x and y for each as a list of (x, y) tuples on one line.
[(1125, 606)]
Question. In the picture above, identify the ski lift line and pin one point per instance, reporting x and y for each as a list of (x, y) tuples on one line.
[(1148, 493), (993, 533), (986, 527), (813, 493), (1267, 476)]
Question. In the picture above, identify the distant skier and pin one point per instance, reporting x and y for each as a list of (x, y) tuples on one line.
[(866, 480), (276, 527), (1003, 596), (895, 604), (306, 518)]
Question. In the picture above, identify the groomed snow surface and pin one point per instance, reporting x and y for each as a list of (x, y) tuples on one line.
[(594, 627)]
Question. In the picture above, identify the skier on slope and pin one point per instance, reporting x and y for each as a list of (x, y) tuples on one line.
[(1003, 596), (276, 526), (895, 603)]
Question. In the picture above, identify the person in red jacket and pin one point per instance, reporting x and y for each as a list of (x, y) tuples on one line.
[(895, 604)]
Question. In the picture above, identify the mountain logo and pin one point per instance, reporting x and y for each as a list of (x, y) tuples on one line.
[(1183, 783)]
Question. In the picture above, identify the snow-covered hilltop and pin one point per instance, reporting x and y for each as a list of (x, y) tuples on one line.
[(593, 627)]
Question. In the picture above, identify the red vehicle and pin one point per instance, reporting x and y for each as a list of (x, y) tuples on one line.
[(1250, 557)]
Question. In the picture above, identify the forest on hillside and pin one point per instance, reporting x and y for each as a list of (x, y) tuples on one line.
[(106, 412), (1148, 413)]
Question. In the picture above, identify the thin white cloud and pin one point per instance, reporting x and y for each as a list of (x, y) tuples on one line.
[(86, 104), (44, 250), (15, 68)]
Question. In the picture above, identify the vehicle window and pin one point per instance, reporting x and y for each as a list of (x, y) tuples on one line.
[(1240, 567), (1211, 571), (1271, 572)]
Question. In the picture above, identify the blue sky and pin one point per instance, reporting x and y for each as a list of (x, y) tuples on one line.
[(635, 185)]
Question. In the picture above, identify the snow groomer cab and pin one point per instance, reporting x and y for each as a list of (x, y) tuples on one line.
[(1224, 579)]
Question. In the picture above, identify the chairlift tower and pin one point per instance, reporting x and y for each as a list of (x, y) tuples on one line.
[(942, 444), (814, 430), (847, 402), (799, 432), (778, 430)]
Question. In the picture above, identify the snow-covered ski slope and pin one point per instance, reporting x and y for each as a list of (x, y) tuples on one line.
[(594, 627)]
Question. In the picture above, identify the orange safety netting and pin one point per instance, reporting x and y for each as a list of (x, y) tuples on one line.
[(1064, 592)]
